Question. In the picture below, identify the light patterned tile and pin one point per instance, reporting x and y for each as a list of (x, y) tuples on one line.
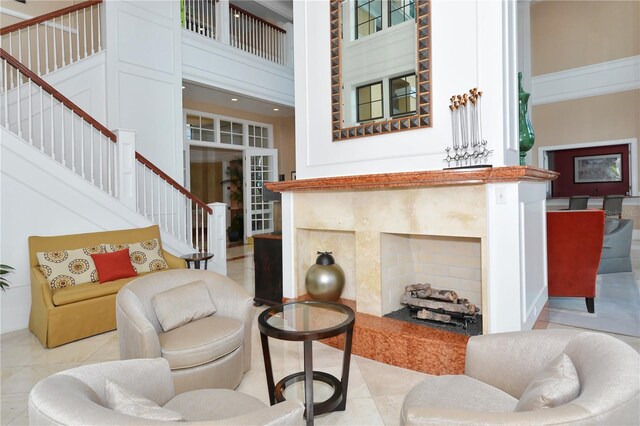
[(359, 412), (24, 378), (385, 380), (12, 405), (390, 407)]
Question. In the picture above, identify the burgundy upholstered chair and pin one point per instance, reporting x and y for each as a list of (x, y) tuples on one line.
[(574, 247)]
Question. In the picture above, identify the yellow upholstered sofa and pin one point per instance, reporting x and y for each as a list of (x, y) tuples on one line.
[(63, 315)]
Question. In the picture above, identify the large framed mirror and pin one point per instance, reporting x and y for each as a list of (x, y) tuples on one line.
[(380, 67)]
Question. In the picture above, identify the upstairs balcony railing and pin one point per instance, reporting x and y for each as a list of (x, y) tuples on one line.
[(57, 39), (256, 36), (200, 17), (237, 27)]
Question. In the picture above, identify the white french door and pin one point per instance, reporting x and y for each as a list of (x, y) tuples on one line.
[(259, 166)]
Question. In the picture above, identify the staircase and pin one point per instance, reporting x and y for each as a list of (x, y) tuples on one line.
[(71, 140)]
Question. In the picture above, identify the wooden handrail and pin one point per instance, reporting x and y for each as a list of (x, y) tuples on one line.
[(239, 9), (172, 182), (59, 96), (47, 16)]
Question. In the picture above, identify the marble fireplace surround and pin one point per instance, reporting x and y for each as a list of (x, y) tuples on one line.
[(324, 213)]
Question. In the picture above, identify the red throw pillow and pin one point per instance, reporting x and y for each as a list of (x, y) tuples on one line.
[(113, 266)]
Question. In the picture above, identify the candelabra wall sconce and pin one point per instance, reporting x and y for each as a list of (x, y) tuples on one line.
[(469, 148)]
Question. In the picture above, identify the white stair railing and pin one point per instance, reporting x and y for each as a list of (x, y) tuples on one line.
[(57, 39), (253, 34), (164, 201), (47, 120), (51, 123)]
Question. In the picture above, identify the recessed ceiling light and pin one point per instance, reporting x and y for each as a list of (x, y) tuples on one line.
[(183, 87), (234, 100), (237, 15), (276, 109)]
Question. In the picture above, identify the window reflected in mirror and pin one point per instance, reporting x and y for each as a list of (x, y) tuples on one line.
[(401, 11), (370, 102), (368, 17), (403, 95)]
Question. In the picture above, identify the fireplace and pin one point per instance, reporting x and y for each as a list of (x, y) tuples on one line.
[(474, 218)]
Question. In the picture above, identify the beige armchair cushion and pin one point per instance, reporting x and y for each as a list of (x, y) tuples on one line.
[(181, 305), (555, 385), (126, 402), (201, 341)]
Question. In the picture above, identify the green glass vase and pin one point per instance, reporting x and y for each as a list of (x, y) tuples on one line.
[(527, 137)]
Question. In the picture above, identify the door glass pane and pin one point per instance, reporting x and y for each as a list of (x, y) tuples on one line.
[(261, 211)]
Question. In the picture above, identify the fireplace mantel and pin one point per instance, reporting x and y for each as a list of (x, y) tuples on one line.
[(452, 177)]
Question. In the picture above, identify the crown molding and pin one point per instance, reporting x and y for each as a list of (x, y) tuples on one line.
[(592, 80)]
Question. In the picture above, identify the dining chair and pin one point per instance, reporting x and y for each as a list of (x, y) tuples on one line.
[(578, 202), (612, 205)]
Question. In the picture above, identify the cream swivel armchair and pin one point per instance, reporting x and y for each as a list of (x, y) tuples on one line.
[(210, 352), (85, 396), (616, 248), (524, 378)]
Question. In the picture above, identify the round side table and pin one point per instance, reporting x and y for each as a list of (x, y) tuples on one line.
[(196, 258), (308, 321)]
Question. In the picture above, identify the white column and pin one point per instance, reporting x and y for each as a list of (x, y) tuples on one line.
[(288, 49), (289, 286), (126, 167), (222, 21), (217, 237), (515, 250)]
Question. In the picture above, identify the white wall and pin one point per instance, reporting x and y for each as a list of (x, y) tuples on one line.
[(84, 84), (212, 63), (144, 77), (473, 45), (40, 197)]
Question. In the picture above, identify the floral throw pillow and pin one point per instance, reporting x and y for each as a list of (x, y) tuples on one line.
[(66, 268), (146, 256)]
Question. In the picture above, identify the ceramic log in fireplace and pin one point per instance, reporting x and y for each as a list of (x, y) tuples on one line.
[(443, 306)]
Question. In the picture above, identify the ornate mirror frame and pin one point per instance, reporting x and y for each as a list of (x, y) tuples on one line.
[(422, 118)]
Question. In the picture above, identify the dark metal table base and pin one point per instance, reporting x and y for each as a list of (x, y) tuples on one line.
[(331, 404), (337, 402)]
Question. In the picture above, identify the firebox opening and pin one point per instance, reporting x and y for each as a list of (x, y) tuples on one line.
[(448, 265)]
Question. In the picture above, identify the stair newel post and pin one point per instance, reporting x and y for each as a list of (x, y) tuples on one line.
[(217, 236), (125, 168)]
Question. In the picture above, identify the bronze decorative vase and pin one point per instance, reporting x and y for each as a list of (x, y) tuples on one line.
[(325, 278), (527, 137)]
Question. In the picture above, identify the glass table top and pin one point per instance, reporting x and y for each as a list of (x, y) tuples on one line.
[(306, 318)]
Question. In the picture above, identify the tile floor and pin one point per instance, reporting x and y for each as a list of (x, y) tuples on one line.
[(375, 395)]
